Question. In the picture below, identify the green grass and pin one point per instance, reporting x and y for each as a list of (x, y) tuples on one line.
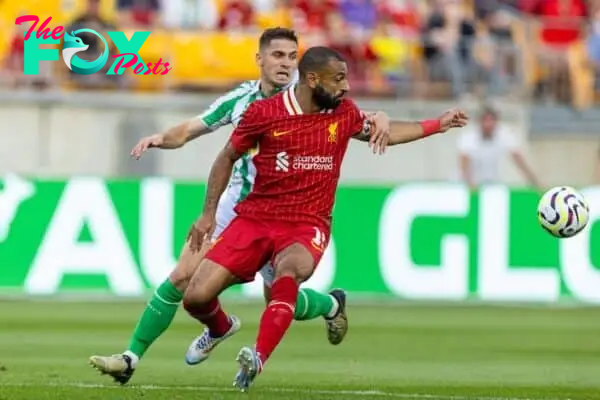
[(391, 352)]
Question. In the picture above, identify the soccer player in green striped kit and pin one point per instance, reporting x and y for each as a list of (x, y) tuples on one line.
[(277, 59)]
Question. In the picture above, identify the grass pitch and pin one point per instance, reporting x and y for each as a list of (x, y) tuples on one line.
[(391, 352)]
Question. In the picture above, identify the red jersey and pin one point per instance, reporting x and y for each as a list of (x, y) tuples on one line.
[(561, 21), (297, 157)]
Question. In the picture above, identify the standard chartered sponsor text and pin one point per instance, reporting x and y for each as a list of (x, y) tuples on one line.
[(316, 163)]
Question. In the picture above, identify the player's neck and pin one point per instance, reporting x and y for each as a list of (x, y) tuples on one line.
[(305, 100), (267, 89)]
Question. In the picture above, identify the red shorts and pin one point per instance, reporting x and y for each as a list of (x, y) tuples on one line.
[(247, 244)]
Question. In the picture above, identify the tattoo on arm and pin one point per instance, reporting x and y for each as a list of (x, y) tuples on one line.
[(365, 134)]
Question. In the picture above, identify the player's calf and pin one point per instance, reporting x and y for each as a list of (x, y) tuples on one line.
[(201, 302), (219, 327), (293, 265), (154, 321)]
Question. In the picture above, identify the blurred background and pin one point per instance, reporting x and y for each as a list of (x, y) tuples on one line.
[(448, 220), (535, 63), (525, 71)]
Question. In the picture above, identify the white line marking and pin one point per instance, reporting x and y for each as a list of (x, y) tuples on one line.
[(373, 393)]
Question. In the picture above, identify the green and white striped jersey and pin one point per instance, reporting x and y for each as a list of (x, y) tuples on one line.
[(228, 109)]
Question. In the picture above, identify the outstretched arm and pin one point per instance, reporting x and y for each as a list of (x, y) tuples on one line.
[(173, 138), (217, 115), (377, 129), (522, 164), (406, 132)]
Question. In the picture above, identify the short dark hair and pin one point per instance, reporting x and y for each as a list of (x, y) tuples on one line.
[(276, 33), (316, 58), (489, 111)]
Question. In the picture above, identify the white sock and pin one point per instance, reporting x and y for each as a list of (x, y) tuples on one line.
[(134, 358), (334, 309)]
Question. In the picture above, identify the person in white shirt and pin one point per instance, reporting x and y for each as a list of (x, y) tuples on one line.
[(482, 148)]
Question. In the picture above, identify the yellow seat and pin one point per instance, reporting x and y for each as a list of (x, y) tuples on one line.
[(108, 9), (233, 56), (582, 76), (188, 60), (5, 39), (156, 48)]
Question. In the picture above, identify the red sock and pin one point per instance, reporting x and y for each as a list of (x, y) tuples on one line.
[(277, 317), (211, 315)]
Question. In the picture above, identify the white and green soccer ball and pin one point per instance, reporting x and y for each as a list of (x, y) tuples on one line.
[(563, 212)]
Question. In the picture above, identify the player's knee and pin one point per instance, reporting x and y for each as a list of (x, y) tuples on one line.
[(180, 279), (267, 293), (186, 267), (197, 297), (298, 267), (208, 281)]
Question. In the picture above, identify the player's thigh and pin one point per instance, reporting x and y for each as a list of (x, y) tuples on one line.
[(208, 281), (189, 261), (186, 265), (243, 248), (298, 250)]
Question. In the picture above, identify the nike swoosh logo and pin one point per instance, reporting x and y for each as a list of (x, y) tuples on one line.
[(280, 133)]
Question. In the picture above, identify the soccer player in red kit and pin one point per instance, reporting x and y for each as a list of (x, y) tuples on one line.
[(300, 137)]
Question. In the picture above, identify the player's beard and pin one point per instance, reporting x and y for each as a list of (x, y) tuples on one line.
[(324, 99)]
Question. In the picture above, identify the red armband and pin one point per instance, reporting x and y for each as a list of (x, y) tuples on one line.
[(430, 126)]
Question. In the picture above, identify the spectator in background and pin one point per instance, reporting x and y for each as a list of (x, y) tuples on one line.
[(311, 15), (495, 48), (14, 57), (482, 148), (593, 44), (560, 23), (13, 62), (449, 41), (237, 15), (92, 19), (597, 180), (138, 13), (362, 62), (188, 14), (448, 37), (360, 15), (279, 15), (494, 18), (392, 51), (402, 15)]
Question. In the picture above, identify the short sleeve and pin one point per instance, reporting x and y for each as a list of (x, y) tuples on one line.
[(508, 140), (467, 143), (358, 123), (251, 128), (220, 111)]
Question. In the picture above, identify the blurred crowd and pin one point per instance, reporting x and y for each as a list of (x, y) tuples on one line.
[(427, 48)]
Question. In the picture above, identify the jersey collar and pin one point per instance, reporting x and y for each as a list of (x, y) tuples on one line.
[(291, 102)]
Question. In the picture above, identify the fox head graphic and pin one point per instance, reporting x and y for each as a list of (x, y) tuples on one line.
[(72, 45)]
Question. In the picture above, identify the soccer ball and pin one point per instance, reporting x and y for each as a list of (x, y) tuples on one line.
[(563, 212)]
